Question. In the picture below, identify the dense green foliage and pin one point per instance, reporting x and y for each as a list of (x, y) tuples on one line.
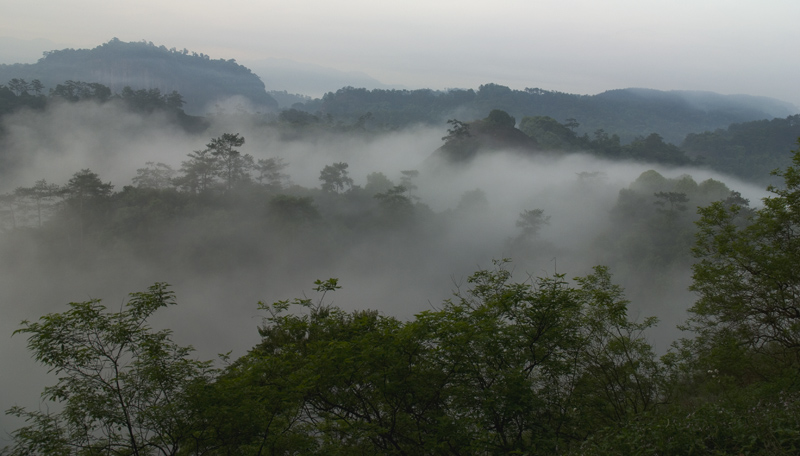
[(654, 219), (125, 388), (505, 367), (535, 367), (735, 381), (747, 279), (540, 366), (554, 136), (546, 365), (750, 150)]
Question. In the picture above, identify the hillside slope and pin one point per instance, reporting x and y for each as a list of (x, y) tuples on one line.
[(630, 113), (203, 82)]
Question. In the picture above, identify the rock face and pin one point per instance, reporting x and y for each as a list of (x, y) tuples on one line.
[(201, 81)]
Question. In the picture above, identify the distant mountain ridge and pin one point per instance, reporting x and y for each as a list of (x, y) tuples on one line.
[(677, 108), (704, 100), (203, 82), (310, 79), (630, 113)]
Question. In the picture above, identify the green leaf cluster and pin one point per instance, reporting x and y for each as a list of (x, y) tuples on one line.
[(123, 388), (503, 368)]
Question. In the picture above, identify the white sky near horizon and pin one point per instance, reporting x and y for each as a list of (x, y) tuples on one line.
[(575, 46)]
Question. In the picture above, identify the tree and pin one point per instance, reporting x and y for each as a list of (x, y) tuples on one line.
[(41, 194), (234, 167), (77, 90), (571, 123), (377, 182), (457, 133), (549, 133), (735, 378), (748, 277), (86, 195), (670, 203), (174, 100), (459, 144), (19, 86), (620, 376), (605, 145), (149, 100), (528, 367), (294, 210), (297, 118), (407, 179), (507, 347), (351, 375), (123, 387), (199, 172), (154, 175), (269, 172), (531, 222), (504, 368), (86, 185), (473, 202), (502, 118), (9, 202), (395, 204), (335, 178), (654, 148), (37, 86)]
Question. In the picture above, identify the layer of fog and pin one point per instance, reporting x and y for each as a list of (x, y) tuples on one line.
[(399, 276)]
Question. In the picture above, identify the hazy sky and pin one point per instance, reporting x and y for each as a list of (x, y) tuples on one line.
[(576, 46)]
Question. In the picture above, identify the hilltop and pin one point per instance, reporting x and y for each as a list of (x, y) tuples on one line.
[(202, 81)]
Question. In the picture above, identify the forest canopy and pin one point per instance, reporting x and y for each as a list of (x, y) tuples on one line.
[(396, 200), (547, 365)]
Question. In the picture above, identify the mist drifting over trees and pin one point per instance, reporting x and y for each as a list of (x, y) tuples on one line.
[(509, 257)]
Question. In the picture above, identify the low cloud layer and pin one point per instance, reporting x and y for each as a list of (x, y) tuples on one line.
[(398, 274)]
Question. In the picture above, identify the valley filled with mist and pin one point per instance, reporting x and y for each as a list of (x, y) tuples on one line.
[(108, 191)]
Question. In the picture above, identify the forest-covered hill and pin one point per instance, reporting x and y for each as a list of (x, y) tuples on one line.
[(142, 65), (750, 150), (203, 82), (629, 113)]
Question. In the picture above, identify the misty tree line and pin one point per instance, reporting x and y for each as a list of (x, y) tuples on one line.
[(221, 209), (651, 217), (749, 150), (20, 94), (142, 99), (629, 113), (219, 169), (542, 366)]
